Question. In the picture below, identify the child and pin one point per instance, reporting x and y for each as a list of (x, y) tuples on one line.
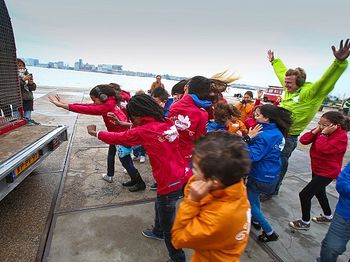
[(328, 145), (105, 100), (159, 137), (246, 105), (265, 151), (334, 244), (221, 118), (214, 217), (189, 116), (236, 126), (161, 96)]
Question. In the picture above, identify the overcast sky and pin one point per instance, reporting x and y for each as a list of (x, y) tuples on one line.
[(185, 38)]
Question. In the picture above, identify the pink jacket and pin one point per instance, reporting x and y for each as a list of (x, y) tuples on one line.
[(160, 139), (190, 121), (101, 110)]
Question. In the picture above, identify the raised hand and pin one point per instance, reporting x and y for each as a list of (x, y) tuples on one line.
[(343, 52), (260, 94), (270, 55)]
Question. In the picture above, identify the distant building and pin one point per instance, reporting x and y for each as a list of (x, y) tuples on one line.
[(31, 61)]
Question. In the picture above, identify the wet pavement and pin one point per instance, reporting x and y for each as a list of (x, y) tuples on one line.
[(64, 211)]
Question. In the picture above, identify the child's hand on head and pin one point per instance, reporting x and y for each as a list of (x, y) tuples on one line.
[(316, 130), (199, 189), (329, 129)]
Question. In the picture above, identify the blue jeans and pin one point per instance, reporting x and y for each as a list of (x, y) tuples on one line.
[(28, 115), (254, 189), (126, 162), (165, 210), (289, 147), (334, 244)]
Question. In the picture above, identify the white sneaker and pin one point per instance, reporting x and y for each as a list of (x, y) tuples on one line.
[(109, 179), (135, 158), (142, 159), (125, 171)]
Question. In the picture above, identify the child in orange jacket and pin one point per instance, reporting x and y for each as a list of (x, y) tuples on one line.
[(214, 217)]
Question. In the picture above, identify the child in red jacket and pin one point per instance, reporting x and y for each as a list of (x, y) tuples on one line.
[(160, 138), (329, 143), (105, 100)]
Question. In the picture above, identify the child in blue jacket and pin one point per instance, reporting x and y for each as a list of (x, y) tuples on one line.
[(265, 151)]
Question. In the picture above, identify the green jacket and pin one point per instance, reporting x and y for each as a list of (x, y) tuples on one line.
[(306, 101)]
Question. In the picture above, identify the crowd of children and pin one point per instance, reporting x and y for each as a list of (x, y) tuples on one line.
[(220, 158)]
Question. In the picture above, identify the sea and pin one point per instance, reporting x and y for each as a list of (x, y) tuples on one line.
[(51, 77)]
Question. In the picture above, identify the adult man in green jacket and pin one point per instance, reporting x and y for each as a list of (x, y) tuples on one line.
[(304, 99)]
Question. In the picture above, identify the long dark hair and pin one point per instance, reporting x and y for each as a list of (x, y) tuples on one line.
[(144, 105), (337, 118), (278, 115), (102, 92)]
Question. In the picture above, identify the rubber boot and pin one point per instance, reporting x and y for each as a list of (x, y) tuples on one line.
[(139, 185)]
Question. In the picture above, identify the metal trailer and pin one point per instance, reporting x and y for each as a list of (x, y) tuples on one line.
[(22, 147)]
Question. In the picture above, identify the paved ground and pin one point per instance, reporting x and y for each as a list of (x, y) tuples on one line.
[(65, 212)]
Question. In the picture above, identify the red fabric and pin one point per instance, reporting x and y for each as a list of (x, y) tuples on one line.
[(327, 152), (190, 121), (160, 139), (101, 110), (125, 95)]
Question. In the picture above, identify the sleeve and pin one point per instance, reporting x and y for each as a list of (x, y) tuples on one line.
[(258, 148), (343, 182), (131, 137), (93, 109), (193, 224), (308, 138), (280, 71), (202, 124), (332, 144), (243, 128), (326, 83)]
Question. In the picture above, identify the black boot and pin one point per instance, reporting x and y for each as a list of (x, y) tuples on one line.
[(129, 183), (139, 185)]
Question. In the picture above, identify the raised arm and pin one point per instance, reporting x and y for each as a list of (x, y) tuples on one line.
[(278, 66), (58, 101)]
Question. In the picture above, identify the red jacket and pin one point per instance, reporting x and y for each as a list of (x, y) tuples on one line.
[(124, 101), (327, 152), (190, 121), (160, 139), (101, 110)]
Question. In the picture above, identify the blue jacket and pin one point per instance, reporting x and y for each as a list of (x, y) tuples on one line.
[(215, 126), (265, 151), (343, 188)]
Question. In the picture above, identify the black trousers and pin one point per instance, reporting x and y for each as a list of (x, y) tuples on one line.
[(316, 187)]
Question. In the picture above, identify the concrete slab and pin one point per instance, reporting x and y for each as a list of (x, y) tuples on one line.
[(114, 234), (84, 186), (298, 246)]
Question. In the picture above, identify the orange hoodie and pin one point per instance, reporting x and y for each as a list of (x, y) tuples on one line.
[(217, 227)]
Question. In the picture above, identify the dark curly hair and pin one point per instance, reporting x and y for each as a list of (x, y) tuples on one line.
[(223, 156)]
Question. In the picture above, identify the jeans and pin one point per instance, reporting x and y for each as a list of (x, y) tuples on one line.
[(254, 189), (316, 187), (28, 114), (334, 244), (289, 147), (126, 162), (165, 210), (138, 151)]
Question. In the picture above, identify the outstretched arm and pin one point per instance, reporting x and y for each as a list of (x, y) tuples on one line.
[(278, 66), (58, 101)]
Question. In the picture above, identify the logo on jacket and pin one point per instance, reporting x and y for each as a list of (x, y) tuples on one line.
[(170, 135), (182, 123), (246, 228), (280, 146)]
